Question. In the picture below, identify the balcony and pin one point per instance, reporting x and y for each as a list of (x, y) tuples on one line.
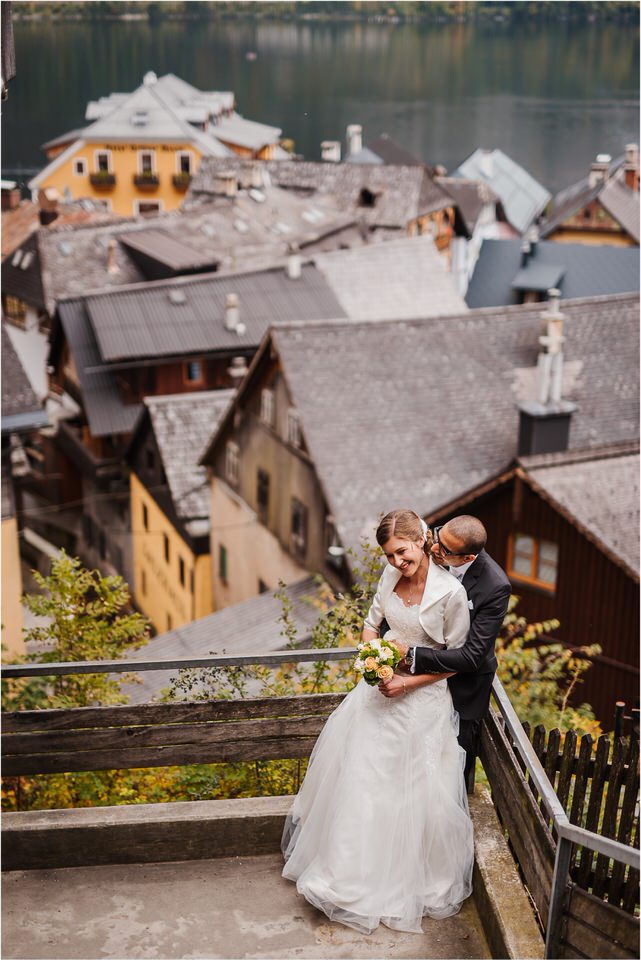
[(181, 181), (102, 180), (203, 877), (148, 182)]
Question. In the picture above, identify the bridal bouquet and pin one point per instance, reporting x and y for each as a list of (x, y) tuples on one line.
[(377, 659)]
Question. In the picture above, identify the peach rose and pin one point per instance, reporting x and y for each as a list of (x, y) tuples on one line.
[(371, 663), (385, 673)]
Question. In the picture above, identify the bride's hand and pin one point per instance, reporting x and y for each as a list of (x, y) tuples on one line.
[(396, 687)]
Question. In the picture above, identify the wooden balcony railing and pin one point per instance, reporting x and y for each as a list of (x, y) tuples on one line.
[(146, 181), (583, 879), (102, 180)]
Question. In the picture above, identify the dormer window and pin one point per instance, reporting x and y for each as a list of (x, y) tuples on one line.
[(267, 407), (294, 435), (232, 459), (366, 198)]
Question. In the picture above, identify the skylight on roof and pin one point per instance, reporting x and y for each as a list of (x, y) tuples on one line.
[(64, 248), (241, 226), (208, 229), (140, 118), (257, 195), (17, 257), (177, 297), (26, 260), (281, 227), (313, 215)]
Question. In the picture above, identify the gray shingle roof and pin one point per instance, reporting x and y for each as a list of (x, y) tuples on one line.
[(398, 279), (182, 425), (470, 196), (523, 198), (144, 322), (600, 493), (402, 193), (587, 270), (246, 133), (21, 409), (433, 403), (623, 204), (237, 233), (239, 630)]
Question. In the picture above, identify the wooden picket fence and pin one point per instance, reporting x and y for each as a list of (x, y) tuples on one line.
[(597, 784)]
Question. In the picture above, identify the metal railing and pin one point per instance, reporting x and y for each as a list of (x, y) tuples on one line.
[(567, 833)]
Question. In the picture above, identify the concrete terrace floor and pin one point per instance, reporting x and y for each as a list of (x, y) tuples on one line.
[(225, 908)]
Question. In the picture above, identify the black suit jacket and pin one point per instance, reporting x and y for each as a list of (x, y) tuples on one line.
[(488, 588)]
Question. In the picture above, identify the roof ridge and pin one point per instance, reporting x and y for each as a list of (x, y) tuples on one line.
[(586, 454)]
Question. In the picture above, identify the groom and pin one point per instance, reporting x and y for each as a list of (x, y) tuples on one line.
[(459, 546)]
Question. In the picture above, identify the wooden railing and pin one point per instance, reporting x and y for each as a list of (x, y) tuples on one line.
[(579, 865), (539, 793)]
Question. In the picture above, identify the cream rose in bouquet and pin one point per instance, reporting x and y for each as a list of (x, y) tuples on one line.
[(376, 659)]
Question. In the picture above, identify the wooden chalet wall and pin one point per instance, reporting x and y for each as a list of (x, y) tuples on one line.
[(595, 600)]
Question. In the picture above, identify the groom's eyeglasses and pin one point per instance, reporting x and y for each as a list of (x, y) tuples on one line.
[(441, 545)]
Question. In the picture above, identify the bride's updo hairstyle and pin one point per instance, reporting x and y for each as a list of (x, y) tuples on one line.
[(405, 524)]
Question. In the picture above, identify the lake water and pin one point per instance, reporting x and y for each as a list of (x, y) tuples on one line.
[(551, 95)]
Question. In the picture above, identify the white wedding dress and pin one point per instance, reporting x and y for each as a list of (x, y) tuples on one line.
[(380, 829)]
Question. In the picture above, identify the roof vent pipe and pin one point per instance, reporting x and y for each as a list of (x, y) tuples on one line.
[(331, 151), (525, 253), (232, 313), (112, 266), (354, 139), (294, 266)]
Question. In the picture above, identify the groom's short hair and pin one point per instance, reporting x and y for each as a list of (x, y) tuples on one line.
[(470, 531)]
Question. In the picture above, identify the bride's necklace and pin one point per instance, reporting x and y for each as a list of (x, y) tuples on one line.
[(415, 592)]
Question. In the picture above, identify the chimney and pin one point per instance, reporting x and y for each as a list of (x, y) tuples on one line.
[(331, 151), (354, 139), (600, 169), (533, 238), (10, 195), (525, 253), (232, 314), (149, 79), (294, 265), (544, 424), (48, 203), (631, 168), (112, 266), (225, 183), (237, 370), (252, 175)]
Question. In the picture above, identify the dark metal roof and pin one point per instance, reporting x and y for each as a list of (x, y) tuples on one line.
[(21, 273), (169, 251), (391, 152), (105, 411), (146, 320), (21, 409), (422, 440), (538, 276), (588, 271), (240, 630)]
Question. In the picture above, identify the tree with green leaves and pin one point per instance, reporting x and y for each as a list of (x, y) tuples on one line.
[(85, 618)]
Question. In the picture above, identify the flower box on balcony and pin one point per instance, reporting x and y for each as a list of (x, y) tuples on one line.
[(181, 181), (146, 181), (102, 179)]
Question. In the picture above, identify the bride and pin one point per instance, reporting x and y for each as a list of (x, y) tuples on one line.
[(380, 831)]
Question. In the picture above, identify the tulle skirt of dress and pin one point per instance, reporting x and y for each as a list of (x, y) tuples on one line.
[(380, 830)]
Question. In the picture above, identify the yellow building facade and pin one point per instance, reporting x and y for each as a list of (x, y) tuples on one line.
[(172, 585), (127, 178), (12, 616)]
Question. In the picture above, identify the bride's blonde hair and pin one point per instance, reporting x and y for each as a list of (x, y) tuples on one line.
[(406, 524)]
